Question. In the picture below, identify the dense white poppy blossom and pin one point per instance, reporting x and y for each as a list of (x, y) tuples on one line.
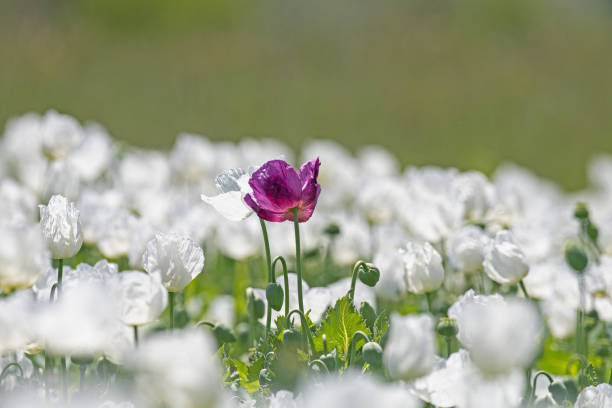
[(177, 259), (233, 185), (595, 397), (504, 260), (60, 134), (423, 264), (16, 315), (356, 391), (179, 369), (474, 193), (18, 204), (411, 346), (500, 335), (61, 227), (100, 274), (465, 248), (193, 157), (142, 297), (239, 240), (23, 256), (94, 155)]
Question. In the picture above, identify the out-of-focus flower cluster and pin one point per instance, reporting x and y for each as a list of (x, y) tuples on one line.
[(133, 225)]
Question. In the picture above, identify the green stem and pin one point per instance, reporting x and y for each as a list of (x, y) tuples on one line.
[(252, 319), (135, 336), (5, 371), (298, 258), (356, 268), (428, 297), (305, 328), (449, 345), (264, 231), (58, 285), (206, 323), (285, 279), (321, 364), (64, 376), (524, 289), (535, 380), (171, 301), (82, 370), (351, 350)]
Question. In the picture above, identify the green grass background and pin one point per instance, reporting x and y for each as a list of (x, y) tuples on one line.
[(467, 83)]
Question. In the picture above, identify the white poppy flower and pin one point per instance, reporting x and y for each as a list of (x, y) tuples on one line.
[(177, 259), (392, 283), (285, 399), (474, 192), (595, 397), (356, 391), (465, 248), (411, 346), (9, 383), (18, 204), (61, 227), (233, 185), (17, 313), (193, 157), (23, 256), (504, 261), (500, 335), (178, 369), (142, 297), (61, 179), (239, 240), (60, 134), (93, 156), (423, 264), (222, 309)]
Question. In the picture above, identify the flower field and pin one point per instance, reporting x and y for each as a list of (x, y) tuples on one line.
[(239, 275)]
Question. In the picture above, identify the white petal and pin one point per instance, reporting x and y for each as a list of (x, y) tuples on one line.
[(229, 205)]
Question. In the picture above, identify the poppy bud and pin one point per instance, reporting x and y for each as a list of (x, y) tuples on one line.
[(558, 392), (372, 354), (602, 348), (329, 360), (575, 255), (447, 327), (332, 229), (291, 337), (369, 275), (581, 211), (592, 231), (274, 295)]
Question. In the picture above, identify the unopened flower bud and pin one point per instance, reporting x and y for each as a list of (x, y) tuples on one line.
[(558, 392), (592, 231), (224, 334), (291, 337), (332, 230), (275, 295), (581, 211), (575, 255), (447, 327), (369, 275), (372, 354)]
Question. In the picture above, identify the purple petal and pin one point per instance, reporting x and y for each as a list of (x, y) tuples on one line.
[(309, 205), (267, 215), (276, 186), (308, 177)]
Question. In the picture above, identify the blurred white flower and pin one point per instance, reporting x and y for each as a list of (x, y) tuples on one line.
[(222, 310), (23, 256), (60, 134), (177, 259), (239, 240), (141, 233), (411, 346), (18, 204), (178, 369), (193, 157), (61, 227), (233, 185), (392, 282), (423, 264), (17, 313), (113, 232), (465, 248), (27, 369), (93, 156), (356, 391), (504, 261), (500, 335), (61, 179), (377, 162), (474, 193), (595, 397), (101, 274), (599, 285), (285, 399), (142, 297)]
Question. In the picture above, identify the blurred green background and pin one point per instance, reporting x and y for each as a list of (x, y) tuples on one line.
[(468, 83)]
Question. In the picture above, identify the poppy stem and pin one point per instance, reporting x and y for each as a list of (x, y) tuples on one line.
[(264, 231), (135, 336), (298, 257), (524, 289), (353, 345), (171, 301), (356, 268), (285, 279)]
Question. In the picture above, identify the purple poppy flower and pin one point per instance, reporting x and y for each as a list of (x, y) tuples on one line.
[(278, 189)]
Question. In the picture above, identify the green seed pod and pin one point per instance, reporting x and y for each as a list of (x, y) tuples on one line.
[(592, 231), (242, 330), (224, 334), (275, 295), (332, 229), (575, 256), (292, 337), (82, 360), (369, 275), (447, 327), (590, 320), (558, 392), (258, 306), (581, 211), (572, 389), (372, 354)]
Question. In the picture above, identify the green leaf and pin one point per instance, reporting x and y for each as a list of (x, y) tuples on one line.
[(369, 315), (592, 376), (381, 325), (338, 325)]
